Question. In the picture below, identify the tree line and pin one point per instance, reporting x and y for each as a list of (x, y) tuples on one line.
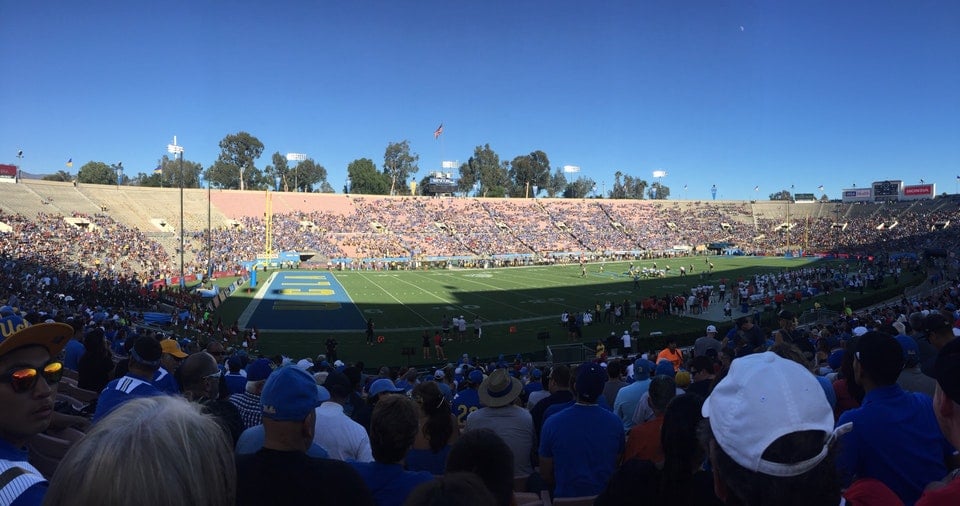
[(484, 174)]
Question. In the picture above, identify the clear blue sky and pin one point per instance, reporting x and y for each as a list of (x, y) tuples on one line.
[(736, 94)]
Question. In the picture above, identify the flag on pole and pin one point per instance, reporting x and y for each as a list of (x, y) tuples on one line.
[(158, 170), (820, 187), (684, 187), (438, 131), (756, 188), (70, 162)]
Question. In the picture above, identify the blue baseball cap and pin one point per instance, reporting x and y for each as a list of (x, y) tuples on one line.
[(643, 367), (536, 374), (289, 395), (476, 376), (383, 385), (590, 380), (259, 370), (665, 368)]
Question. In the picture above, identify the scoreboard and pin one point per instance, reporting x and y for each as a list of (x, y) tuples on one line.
[(887, 190), (440, 183)]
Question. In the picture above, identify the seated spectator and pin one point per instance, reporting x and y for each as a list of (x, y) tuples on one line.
[(484, 453), (343, 438), (438, 431), (29, 374), (251, 440), (643, 441), (393, 427), (769, 435), (142, 367), (911, 379), (200, 377), (235, 380), (946, 406), (96, 364), (513, 424), (248, 402), (157, 436), (683, 480), (581, 446), (281, 472), (629, 396), (914, 451), (454, 489)]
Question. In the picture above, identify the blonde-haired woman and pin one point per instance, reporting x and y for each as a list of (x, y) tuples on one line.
[(152, 451)]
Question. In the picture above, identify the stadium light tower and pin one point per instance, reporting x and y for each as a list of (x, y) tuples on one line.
[(175, 150), (659, 175), (296, 157)]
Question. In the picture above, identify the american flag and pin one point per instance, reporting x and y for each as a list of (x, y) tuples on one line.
[(438, 131)]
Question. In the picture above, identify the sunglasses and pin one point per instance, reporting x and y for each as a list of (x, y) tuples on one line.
[(215, 375), (24, 379)]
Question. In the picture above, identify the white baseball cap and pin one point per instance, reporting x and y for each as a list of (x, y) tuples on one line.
[(711, 328), (859, 331), (763, 398)]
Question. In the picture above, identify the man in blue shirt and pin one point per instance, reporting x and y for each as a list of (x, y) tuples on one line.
[(895, 437), (143, 365), (74, 349), (467, 400), (393, 427), (628, 396), (581, 446), (28, 389)]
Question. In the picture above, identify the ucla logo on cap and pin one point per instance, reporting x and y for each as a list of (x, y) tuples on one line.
[(12, 324)]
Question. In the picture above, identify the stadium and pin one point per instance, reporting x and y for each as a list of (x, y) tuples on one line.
[(322, 265)]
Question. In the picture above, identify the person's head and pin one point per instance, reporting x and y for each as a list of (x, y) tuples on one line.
[(946, 398), (200, 377), (878, 360), (769, 433), (499, 389), (672, 343), (744, 323), (93, 341), (381, 388), (257, 373), (145, 357), (790, 351), (911, 351), (393, 427), (452, 489), (614, 369), (939, 327), (339, 385), (701, 368), (589, 384), (643, 368), (484, 453), (711, 331), (157, 436), (678, 438), (662, 390), (438, 426), (172, 356), (786, 319), (559, 378), (289, 398), (29, 374), (216, 350)]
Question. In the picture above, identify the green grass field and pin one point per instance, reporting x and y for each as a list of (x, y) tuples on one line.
[(515, 304)]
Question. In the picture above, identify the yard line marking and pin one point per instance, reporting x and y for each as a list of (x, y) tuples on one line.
[(374, 283)]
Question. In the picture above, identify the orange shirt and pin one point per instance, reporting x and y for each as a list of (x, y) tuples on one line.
[(675, 357), (643, 442)]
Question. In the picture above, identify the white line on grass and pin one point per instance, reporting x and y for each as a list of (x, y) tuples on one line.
[(396, 299), (255, 303)]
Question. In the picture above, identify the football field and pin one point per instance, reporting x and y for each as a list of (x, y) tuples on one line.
[(297, 311)]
